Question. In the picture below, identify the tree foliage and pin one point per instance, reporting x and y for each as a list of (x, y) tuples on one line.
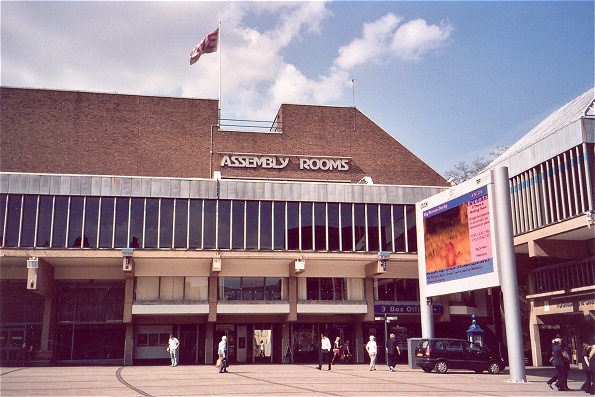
[(463, 171)]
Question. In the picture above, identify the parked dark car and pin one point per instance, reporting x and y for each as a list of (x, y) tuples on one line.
[(442, 354)]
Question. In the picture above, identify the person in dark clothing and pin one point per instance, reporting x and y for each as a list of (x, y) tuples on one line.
[(586, 387), (346, 357), (23, 355), (392, 350), (560, 356)]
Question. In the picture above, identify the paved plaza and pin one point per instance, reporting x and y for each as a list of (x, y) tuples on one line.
[(271, 380)]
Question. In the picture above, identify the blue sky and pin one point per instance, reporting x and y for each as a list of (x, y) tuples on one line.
[(449, 80)]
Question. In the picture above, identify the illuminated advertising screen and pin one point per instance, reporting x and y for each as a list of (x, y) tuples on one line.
[(455, 239)]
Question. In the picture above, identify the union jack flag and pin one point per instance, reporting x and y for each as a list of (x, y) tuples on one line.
[(208, 45)]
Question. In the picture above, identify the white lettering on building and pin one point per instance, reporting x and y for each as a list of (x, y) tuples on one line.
[(306, 163), (254, 161), (324, 164)]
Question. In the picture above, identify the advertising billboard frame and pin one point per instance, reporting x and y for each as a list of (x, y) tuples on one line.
[(456, 237)]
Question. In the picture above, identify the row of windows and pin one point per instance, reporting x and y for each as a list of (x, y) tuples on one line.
[(119, 222), (563, 276), (180, 288)]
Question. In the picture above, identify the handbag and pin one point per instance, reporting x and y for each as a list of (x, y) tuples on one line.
[(218, 363), (336, 351)]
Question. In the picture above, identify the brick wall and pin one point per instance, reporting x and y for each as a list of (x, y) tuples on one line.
[(68, 132)]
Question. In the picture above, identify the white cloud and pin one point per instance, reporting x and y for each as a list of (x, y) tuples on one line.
[(384, 38), (142, 48), (373, 44), (416, 38)]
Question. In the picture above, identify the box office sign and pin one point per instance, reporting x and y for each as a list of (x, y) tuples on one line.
[(272, 161), (405, 308)]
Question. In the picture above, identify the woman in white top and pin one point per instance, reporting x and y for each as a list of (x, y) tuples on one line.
[(372, 349)]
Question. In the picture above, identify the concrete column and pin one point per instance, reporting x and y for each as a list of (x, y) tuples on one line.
[(358, 344), (209, 335), (47, 325), (129, 344), (213, 279), (287, 357), (369, 294), (292, 296), (507, 261)]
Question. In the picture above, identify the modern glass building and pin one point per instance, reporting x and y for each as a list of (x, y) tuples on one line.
[(124, 220)]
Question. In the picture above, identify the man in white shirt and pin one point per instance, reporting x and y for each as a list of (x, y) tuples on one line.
[(222, 352), (325, 351), (172, 348)]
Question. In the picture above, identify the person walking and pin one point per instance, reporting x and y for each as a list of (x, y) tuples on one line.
[(222, 352), (559, 356), (392, 351), (372, 349), (325, 351), (586, 387), (346, 356), (172, 348), (336, 349), (592, 369)]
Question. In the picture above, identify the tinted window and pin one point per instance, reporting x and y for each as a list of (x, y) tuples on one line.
[(166, 223), (29, 219), (266, 224), (60, 217), (106, 224), (44, 225), (181, 223), (75, 222), (13, 220), (91, 220), (252, 225), (151, 223)]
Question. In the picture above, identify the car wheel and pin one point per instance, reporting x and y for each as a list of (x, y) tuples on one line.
[(427, 369), (494, 368), (441, 367)]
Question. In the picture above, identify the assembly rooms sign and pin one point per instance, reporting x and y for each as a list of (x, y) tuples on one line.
[(278, 161)]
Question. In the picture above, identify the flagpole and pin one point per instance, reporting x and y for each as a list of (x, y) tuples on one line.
[(219, 104)]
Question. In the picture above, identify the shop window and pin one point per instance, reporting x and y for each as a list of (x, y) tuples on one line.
[(325, 288), (91, 219), (166, 223), (147, 288), (142, 340), (252, 229), (196, 288), (180, 223), (252, 288), (106, 222), (171, 288)]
